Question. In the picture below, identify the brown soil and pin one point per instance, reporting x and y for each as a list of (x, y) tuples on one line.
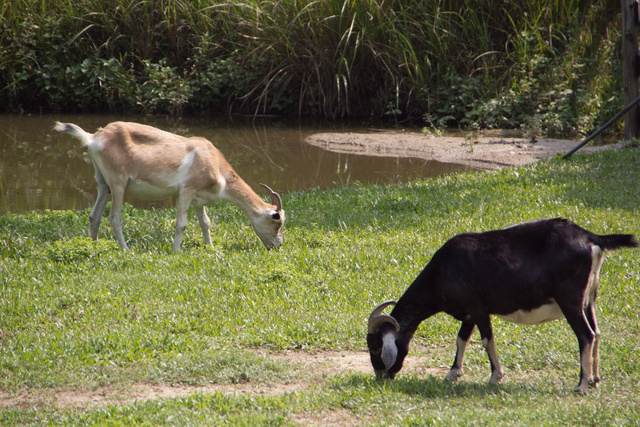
[(486, 150), (315, 368)]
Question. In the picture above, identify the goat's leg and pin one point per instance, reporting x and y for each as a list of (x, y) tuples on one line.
[(98, 208), (184, 200), (464, 336), (486, 332), (115, 216), (586, 337), (205, 223), (597, 256), (591, 318)]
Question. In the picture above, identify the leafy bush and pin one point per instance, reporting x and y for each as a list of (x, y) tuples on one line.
[(552, 67), (164, 89), (78, 248), (99, 83)]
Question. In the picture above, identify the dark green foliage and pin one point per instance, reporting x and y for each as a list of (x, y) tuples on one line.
[(546, 66), (77, 249)]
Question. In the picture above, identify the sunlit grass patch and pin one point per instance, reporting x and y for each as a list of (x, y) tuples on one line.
[(76, 313)]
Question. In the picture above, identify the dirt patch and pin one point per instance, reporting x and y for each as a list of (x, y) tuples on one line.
[(322, 365), (486, 150)]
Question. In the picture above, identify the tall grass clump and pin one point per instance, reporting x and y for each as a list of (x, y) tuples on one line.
[(538, 65)]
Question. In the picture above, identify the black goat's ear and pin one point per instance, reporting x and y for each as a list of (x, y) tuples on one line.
[(275, 216)]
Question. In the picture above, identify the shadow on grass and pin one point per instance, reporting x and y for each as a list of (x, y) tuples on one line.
[(432, 387)]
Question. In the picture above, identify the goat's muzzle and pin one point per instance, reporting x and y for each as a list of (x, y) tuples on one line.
[(382, 375)]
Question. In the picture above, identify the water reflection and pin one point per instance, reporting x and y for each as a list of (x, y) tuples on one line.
[(42, 169)]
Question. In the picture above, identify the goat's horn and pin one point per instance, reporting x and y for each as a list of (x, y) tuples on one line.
[(376, 319), (376, 311), (275, 197)]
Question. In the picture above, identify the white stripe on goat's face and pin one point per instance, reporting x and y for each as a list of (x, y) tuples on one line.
[(389, 350), (268, 227)]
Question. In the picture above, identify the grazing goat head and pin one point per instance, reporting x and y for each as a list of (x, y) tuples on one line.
[(149, 163), (530, 273)]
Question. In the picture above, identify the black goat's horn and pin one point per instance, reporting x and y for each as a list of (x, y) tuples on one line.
[(275, 198), (376, 319)]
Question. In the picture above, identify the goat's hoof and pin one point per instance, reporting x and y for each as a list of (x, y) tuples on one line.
[(496, 378), (582, 389), (584, 385), (453, 375)]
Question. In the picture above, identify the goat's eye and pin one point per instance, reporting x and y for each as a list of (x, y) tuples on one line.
[(276, 216)]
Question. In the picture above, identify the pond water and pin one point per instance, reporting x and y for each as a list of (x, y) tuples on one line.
[(42, 169)]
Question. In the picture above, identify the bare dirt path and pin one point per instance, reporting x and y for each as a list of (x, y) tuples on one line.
[(321, 366), (486, 150)]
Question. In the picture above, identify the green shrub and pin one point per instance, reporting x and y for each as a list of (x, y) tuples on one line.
[(552, 66), (77, 249)]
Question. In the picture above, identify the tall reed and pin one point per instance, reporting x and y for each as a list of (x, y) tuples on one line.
[(450, 59)]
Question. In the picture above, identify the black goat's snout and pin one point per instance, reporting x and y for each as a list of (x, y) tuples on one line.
[(382, 375)]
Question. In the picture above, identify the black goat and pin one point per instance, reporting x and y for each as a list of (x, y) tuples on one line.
[(530, 273)]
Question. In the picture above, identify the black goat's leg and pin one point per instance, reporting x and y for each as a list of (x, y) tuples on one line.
[(486, 332), (586, 337), (591, 318), (464, 336)]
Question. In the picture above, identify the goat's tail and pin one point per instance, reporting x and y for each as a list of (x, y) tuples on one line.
[(616, 241), (76, 131)]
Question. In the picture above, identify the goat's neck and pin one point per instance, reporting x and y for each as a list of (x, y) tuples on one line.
[(242, 195), (408, 317), (414, 307)]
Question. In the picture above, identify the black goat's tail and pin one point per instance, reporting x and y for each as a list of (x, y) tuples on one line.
[(616, 241)]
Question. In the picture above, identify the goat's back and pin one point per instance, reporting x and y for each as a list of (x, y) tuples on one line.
[(518, 267), (540, 236)]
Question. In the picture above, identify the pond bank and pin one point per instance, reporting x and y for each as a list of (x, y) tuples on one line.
[(488, 150)]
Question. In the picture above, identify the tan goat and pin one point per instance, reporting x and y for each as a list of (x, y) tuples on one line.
[(149, 163)]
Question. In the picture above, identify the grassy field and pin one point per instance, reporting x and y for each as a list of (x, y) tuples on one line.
[(83, 317)]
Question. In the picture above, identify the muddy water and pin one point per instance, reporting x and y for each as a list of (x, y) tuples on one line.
[(41, 169)]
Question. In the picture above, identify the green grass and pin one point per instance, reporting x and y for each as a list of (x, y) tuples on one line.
[(80, 315)]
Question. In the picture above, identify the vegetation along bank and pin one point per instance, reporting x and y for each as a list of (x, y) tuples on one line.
[(550, 67)]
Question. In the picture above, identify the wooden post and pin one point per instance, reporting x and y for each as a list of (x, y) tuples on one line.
[(630, 66)]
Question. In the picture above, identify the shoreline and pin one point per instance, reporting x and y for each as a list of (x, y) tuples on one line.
[(487, 151)]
